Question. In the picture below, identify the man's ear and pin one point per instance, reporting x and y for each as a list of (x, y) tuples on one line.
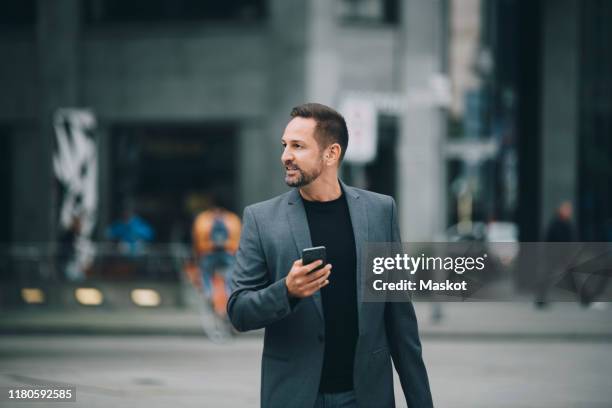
[(333, 153)]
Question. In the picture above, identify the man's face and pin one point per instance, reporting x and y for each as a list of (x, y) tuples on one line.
[(302, 157)]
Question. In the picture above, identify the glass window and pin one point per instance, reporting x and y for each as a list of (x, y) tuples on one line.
[(14, 13), (369, 11), (158, 169), (111, 11)]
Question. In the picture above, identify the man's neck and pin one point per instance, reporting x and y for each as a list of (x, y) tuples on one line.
[(322, 189)]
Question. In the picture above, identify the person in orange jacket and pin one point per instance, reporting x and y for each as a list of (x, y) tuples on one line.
[(215, 233)]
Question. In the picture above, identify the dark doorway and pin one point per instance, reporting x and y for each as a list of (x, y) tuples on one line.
[(595, 126), (6, 176), (159, 169), (381, 174), (529, 24)]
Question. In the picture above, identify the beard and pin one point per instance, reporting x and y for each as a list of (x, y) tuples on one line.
[(303, 177)]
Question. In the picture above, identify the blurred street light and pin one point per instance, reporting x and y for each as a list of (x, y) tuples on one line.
[(89, 296)]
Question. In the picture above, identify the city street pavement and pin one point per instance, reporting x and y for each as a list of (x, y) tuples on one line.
[(489, 354), (163, 371), (477, 321)]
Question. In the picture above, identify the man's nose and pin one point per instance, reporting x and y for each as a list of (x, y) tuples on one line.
[(286, 156)]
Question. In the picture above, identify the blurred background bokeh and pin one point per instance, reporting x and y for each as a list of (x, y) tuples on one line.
[(480, 117), (472, 114)]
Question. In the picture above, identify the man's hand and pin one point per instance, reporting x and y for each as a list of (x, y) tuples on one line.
[(302, 282)]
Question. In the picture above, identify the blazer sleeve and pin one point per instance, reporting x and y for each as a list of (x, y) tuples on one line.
[(404, 343), (256, 301)]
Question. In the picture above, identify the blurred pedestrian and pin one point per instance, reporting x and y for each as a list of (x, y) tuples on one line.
[(560, 229), (216, 233), (131, 231)]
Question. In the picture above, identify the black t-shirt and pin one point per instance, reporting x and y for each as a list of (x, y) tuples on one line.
[(330, 226)]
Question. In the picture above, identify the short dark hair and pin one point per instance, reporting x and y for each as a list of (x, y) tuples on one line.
[(331, 126)]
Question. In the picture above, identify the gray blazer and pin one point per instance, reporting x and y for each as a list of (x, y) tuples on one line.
[(274, 233)]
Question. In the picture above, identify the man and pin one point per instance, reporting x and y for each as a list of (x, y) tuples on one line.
[(323, 346)]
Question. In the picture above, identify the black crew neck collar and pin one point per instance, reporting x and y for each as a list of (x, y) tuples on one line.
[(324, 203)]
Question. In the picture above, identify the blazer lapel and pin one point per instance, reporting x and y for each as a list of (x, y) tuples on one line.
[(298, 223), (359, 220)]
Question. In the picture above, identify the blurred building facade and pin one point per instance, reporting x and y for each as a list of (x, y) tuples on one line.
[(500, 107)]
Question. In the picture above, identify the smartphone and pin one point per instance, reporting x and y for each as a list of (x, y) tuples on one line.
[(309, 255)]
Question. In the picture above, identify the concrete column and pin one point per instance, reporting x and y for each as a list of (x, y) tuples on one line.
[(252, 168), (57, 53), (421, 180), (561, 47), (302, 68), (321, 58), (287, 85)]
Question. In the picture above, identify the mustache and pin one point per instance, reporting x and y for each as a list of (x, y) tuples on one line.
[(291, 165)]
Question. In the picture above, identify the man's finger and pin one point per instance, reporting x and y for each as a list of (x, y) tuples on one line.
[(311, 291), (317, 274), (311, 266), (317, 283)]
